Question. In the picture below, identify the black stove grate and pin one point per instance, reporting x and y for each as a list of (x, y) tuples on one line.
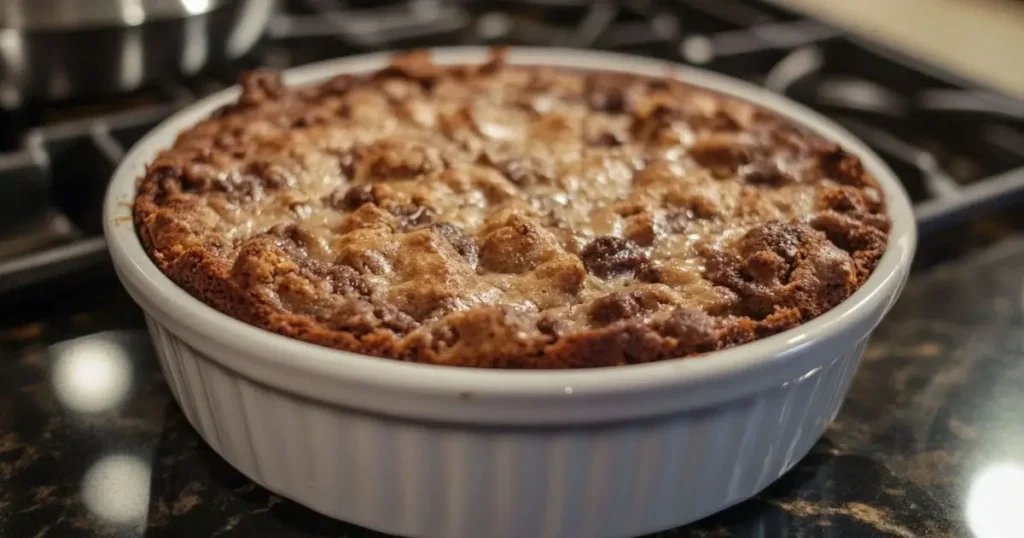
[(958, 148)]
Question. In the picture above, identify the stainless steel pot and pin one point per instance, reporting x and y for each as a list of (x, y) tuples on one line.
[(56, 49)]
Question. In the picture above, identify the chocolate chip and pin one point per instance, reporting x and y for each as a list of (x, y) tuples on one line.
[(649, 273), (655, 121), (201, 178), (311, 117), (517, 171), (458, 238), (270, 174), (842, 167), (525, 171), (362, 316), (352, 198), (347, 162), (765, 173), (410, 213), (608, 139), (607, 100), (553, 326), (393, 318), (344, 280), (613, 93), (239, 187), (610, 257)]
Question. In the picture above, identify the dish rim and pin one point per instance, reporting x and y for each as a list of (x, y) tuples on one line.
[(715, 376)]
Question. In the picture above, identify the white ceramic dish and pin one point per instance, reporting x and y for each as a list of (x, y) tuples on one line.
[(420, 450)]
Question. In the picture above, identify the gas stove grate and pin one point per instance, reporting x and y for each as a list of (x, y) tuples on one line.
[(958, 148)]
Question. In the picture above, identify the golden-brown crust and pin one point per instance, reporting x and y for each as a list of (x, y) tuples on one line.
[(509, 217)]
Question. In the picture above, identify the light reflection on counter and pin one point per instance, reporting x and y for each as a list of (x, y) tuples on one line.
[(995, 501), (196, 6), (92, 374), (116, 489)]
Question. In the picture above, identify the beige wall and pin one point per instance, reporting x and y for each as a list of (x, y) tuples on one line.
[(982, 39)]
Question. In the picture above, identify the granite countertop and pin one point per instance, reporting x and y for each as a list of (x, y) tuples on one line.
[(929, 442)]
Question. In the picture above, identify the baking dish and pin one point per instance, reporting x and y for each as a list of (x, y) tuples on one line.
[(421, 450)]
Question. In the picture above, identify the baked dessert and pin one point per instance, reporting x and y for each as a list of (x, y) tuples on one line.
[(509, 216)]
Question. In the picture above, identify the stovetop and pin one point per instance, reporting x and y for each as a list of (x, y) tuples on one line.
[(958, 147)]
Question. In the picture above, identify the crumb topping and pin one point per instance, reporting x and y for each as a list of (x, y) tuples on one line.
[(509, 216)]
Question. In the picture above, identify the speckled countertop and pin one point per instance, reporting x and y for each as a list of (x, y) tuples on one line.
[(930, 441)]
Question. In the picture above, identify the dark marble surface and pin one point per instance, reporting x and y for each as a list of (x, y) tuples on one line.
[(929, 443)]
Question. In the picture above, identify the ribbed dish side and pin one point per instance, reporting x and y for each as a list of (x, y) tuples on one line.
[(413, 479)]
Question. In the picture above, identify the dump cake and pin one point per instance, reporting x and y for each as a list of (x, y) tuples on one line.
[(509, 216)]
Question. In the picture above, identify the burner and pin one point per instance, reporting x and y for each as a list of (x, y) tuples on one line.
[(330, 28), (958, 148)]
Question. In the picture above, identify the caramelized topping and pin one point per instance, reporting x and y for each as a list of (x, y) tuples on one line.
[(504, 216)]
